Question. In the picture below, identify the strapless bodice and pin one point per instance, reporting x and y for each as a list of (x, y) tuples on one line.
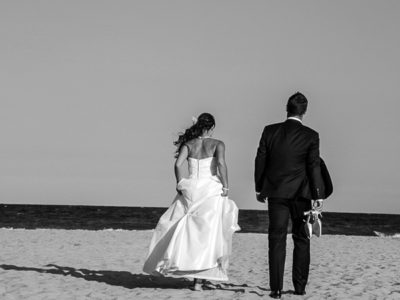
[(204, 167)]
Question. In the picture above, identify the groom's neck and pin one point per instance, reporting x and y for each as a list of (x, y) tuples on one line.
[(300, 117)]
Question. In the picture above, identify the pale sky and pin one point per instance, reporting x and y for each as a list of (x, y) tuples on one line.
[(93, 93)]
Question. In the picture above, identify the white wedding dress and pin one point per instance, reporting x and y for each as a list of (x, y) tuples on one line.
[(193, 238)]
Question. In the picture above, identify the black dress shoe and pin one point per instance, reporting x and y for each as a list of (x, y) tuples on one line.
[(300, 293), (276, 294)]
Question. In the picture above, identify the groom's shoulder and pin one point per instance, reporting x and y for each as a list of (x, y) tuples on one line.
[(274, 126), (309, 130), (271, 129)]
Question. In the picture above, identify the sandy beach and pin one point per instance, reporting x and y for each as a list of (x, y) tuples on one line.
[(107, 264)]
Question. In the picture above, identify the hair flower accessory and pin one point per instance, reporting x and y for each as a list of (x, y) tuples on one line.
[(194, 119)]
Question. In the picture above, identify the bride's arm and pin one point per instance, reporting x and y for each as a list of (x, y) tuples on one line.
[(178, 167), (222, 168)]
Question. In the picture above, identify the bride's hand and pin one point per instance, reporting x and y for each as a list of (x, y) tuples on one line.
[(224, 192), (178, 190)]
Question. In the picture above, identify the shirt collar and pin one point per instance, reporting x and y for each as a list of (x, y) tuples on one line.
[(295, 118)]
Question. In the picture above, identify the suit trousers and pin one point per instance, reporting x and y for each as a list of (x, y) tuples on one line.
[(279, 210)]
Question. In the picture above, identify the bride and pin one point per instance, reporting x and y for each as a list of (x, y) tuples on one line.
[(193, 237)]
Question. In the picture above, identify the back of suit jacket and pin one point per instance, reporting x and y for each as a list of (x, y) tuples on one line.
[(287, 163)]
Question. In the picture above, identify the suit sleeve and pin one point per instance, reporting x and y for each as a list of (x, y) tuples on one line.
[(314, 170), (260, 162)]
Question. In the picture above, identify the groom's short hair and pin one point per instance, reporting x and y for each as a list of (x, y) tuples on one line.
[(297, 105)]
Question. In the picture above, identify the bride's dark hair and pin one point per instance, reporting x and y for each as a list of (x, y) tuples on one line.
[(204, 122)]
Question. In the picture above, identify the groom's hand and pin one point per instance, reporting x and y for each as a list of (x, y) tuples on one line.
[(260, 198), (318, 204)]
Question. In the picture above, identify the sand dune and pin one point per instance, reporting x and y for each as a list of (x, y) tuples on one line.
[(79, 264)]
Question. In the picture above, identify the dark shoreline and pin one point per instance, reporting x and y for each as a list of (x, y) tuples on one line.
[(30, 216)]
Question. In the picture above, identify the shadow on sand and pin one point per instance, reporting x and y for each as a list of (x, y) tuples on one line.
[(118, 278), (131, 281), (124, 278)]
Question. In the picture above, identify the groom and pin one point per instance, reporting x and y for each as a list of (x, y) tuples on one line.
[(287, 173)]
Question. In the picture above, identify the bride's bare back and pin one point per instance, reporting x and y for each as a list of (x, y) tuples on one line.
[(200, 148)]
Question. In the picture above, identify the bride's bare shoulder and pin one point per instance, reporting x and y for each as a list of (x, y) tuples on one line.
[(191, 142), (216, 143)]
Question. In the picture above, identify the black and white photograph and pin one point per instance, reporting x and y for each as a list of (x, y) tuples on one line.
[(199, 149)]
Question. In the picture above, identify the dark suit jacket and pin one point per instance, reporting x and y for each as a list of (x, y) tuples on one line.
[(328, 185), (287, 163)]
